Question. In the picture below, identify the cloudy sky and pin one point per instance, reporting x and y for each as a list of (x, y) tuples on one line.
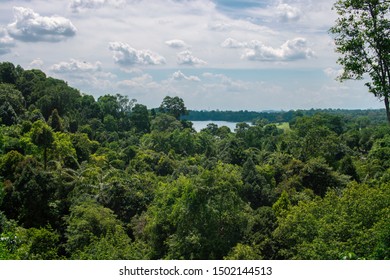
[(215, 54)]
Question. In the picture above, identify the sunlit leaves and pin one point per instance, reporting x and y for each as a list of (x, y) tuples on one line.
[(336, 226), (93, 232)]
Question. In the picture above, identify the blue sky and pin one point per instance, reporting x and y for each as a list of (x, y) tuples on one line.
[(225, 54)]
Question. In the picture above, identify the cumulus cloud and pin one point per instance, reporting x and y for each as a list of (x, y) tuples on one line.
[(176, 43), (84, 74), (32, 27), (179, 76), (125, 55), (294, 49), (186, 58), (6, 42), (77, 5), (36, 63), (76, 66), (233, 44), (287, 13)]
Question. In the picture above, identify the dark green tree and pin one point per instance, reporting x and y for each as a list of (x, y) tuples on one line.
[(347, 167), (28, 198), (12, 104), (8, 73), (173, 106), (319, 177), (164, 122), (83, 146), (362, 37), (256, 190), (42, 136), (140, 118), (31, 85), (89, 107), (55, 121), (8, 164), (8, 115)]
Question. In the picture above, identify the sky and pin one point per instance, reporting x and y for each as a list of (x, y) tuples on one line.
[(214, 54)]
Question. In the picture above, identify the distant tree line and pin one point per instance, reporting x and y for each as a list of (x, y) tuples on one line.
[(375, 115)]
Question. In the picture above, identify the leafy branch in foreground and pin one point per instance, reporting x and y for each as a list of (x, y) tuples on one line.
[(363, 40)]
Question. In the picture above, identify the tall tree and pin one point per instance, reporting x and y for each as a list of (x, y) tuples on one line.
[(55, 121), (42, 136), (140, 118), (174, 106), (8, 73), (363, 40)]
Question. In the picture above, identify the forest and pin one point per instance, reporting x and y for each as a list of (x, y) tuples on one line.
[(112, 179)]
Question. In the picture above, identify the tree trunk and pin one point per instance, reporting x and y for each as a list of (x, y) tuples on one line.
[(44, 157), (387, 109)]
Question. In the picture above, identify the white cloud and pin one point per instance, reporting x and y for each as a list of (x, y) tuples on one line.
[(36, 63), (186, 58), (77, 5), (127, 56), (84, 74), (6, 42), (156, 31), (332, 72), (179, 76), (296, 49), (287, 13), (142, 81), (76, 66), (32, 27), (176, 43), (233, 44), (254, 50)]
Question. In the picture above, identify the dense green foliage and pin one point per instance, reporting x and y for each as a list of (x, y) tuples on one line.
[(109, 179)]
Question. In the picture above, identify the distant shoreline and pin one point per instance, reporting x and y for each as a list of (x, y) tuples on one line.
[(375, 115)]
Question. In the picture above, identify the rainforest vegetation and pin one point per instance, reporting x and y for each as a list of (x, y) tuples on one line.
[(112, 179)]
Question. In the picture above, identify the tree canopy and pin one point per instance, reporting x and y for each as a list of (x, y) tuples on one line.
[(112, 179)]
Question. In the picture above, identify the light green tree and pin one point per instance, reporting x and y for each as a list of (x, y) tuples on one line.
[(198, 218), (94, 232), (353, 224)]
